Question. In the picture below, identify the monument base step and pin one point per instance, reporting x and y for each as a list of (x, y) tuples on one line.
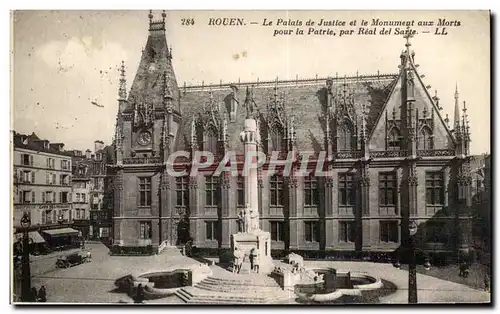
[(198, 296), (229, 288)]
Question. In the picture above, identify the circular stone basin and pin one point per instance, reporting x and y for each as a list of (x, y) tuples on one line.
[(168, 280), (333, 281)]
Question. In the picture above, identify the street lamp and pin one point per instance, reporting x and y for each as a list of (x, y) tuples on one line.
[(412, 266), (26, 271), (412, 263)]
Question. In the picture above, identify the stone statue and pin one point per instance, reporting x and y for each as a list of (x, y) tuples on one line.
[(254, 219), (243, 218), (249, 219)]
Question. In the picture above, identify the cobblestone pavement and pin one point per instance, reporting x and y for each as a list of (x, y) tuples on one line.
[(94, 282)]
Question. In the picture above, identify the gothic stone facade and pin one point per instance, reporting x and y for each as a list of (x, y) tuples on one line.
[(392, 156)]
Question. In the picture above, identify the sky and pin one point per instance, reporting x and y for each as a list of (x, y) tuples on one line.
[(65, 60)]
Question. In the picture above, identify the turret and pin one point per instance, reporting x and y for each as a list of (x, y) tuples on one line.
[(465, 131), (456, 120)]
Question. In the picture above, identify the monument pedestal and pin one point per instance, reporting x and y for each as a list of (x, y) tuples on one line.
[(260, 241)]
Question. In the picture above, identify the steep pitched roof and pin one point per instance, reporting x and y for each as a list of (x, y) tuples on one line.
[(155, 70), (424, 103), (305, 101)]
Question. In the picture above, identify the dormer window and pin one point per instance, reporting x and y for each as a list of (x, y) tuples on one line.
[(425, 141), (277, 140), (346, 141), (210, 144)]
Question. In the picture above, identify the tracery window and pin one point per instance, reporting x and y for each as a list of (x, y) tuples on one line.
[(425, 139), (347, 141), (210, 141), (394, 139), (277, 139)]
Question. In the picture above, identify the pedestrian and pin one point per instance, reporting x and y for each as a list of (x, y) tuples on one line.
[(42, 294), (242, 260), (486, 282), (140, 294), (466, 270), (34, 295), (236, 258), (462, 269), (252, 259), (189, 246), (256, 261), (89, 256), (130, 287)]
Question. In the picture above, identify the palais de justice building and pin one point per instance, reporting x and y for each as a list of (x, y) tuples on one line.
[(392, 155)]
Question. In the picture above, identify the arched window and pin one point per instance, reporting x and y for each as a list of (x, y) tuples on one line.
[(347, 141), (211, 141), (394, 139), (425, 139), (277, 140)]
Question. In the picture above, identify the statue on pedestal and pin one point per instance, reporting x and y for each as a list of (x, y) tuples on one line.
[(249, 219), (254, 220)]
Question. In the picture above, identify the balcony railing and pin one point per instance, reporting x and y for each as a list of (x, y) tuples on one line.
[(435, 152), (348, 155), (142, 160), (422, 153), (388, 154)]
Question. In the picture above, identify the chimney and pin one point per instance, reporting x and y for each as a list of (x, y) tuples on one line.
[(87, 153), (98, 145), (77, 153)]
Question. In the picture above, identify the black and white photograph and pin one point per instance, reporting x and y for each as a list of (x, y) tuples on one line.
[(215, 157)]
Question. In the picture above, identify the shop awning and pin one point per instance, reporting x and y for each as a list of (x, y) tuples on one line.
[(62, 232), (34, 236)]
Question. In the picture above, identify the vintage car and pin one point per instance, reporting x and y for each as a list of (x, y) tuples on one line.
[(73, 259)]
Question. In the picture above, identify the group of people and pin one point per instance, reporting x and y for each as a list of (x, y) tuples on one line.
[(240, 258), (38, 296)]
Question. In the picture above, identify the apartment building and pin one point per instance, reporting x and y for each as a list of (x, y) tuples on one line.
[(42, 181)]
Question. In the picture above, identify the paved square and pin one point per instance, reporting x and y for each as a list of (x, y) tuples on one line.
[(94, 282)]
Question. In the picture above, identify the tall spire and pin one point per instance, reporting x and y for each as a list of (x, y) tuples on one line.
[(456, 120), (122, 87), (465, 130), (408, 75), (154, 63)]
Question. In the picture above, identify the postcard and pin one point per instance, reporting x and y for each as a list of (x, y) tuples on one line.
[(251, 157)]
